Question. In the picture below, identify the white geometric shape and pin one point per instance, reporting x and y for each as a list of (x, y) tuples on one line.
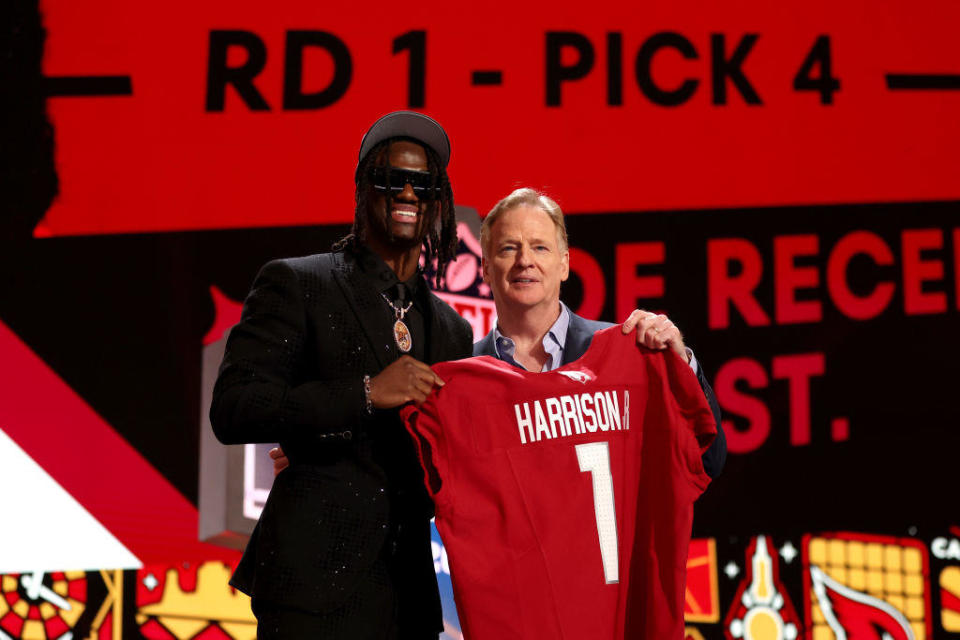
[(45, 528), (150, 582), (736, 628), (33, 584), (731, 570), (788, 552)]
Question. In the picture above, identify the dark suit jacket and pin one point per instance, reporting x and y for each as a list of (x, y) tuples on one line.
[(292, 373), (579, 335)]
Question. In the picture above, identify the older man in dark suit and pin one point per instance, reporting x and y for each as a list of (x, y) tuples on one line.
[(327, 347), (525, 258)]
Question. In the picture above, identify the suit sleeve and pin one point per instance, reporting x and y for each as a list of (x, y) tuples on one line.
[(258, 396), (716, 455)]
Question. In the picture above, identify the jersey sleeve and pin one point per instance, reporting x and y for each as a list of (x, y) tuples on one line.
[(427, 428), (695, 427)]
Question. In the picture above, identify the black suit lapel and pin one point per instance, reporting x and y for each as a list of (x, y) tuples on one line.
[(438, 330), (372, 315)]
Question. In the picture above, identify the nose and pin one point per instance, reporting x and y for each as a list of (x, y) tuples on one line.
[(407, 194), (524, 256)]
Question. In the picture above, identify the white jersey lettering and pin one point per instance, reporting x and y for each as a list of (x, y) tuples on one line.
[(565, 416)]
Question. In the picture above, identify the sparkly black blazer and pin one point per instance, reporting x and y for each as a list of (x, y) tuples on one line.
[(292, 373), (579, 335)]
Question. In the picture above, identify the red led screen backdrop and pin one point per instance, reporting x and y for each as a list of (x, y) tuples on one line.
[(225, 114)]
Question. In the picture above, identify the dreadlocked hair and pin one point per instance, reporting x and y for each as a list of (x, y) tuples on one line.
[(440, 242)]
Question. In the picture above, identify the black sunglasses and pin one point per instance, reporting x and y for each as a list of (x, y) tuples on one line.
[(420, 181)]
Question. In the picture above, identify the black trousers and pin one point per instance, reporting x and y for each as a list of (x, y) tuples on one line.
[(370, 613), (275, 622)]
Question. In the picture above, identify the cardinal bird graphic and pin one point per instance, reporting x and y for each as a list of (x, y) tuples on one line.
[(853, 615), (580, 376)]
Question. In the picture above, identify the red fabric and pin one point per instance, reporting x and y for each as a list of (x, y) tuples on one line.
[(519, 520), (55, 627)]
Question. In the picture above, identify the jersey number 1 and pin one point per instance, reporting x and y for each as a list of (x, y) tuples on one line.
[(595, 458)]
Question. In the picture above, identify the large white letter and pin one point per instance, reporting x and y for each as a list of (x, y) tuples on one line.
[(524, 421), (553, 414)]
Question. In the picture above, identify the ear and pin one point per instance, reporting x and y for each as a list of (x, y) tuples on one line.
[(485, 269), (565, 261)]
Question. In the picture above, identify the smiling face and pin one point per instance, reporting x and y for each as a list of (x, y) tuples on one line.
[(400, 221), (524, 262)]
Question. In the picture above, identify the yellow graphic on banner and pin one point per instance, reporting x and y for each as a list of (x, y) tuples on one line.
[(113, 605), (950, 599), (213, 602), (762, 611), (702, 596), (692, 633), (863, 574)]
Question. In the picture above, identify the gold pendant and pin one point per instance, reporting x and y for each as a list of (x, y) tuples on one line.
[(401, 335)]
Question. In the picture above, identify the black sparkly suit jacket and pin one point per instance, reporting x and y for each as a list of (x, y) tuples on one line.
[(579, 335), (353, 494)]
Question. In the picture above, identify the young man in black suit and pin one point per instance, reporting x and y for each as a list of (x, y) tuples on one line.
[(327, 347)]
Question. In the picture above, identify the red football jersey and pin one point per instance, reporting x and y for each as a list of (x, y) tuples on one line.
[(565, 498)]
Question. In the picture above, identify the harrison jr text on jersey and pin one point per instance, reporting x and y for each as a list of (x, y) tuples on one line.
[(571, 415)]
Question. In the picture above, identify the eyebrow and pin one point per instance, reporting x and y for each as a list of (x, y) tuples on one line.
[(513, 241)]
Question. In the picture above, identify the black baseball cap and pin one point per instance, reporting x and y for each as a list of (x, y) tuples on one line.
[(406, 124)]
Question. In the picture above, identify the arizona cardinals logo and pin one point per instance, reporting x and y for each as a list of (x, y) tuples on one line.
[(580, 376), (853, 615)]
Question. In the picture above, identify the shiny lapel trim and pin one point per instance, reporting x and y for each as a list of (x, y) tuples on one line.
[(377, 326)]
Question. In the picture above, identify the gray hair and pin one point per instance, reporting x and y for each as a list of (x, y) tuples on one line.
[(530, 198)]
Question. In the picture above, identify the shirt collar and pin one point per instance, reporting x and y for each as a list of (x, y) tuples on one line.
[(380, 275), (553, 343)]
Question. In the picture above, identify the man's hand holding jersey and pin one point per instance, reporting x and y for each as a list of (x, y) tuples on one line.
[(656, 331), (404, 380)]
